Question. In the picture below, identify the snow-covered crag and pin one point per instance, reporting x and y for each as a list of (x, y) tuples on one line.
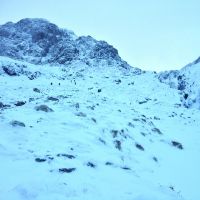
[(187, 82), (77, 122), (40, 42)]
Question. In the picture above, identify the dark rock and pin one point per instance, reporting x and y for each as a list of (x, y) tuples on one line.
[(156, 118), (143, 134), (185, 96), (181, 82), (66, 170), (77, 106), (99, 90), (53, 99), (4, 105), (108, 163), (81, 114), (177, 144), (102, 141), (156, 130), (50, 157), (40, 159), (16, 123), (155, 159), (90, 164), (66, 155), (171, 188), (34, 75), (142, 102), (43, 108), (36, 90), (131, 124), (31, 99), (114, 133), (126, 168), (20, 103), (118, 81), (140, 147), (94, 120), (9, 70), (118, 145), (1, 105)]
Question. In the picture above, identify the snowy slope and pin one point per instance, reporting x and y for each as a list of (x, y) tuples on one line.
[(119, 139), (94, 128)]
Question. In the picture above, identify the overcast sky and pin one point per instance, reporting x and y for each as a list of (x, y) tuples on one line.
[(150, 34)]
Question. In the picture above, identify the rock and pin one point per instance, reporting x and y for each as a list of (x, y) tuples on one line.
[(81, 114), (4, 105), (156, 130), (94, 120), (16, 123), (1, 105), (20, 103), (140, 147), (118, 145), (43, 108), (142, 102), (126, 168), (77, 106), (102, 141), (90, 164), (66, 170), (108, 163), (156, 118), (155, 159), (114, 133), (40, 159), (34, 75), (66, 155), (131, 125), (31, 99), (177, 144), (53, 99), (9, 70), (36, 90), (118, 81)]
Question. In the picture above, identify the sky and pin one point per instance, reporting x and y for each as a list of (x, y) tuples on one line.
[(150, 34)]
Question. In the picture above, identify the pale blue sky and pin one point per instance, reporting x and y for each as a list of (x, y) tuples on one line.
[(150, 34)]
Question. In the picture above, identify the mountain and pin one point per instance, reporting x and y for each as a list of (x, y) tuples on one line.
[(78, 122)]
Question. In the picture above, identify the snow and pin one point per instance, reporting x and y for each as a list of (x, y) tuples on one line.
[(82, 125)]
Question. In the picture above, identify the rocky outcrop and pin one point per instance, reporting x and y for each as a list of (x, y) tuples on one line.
[(38, 41)]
